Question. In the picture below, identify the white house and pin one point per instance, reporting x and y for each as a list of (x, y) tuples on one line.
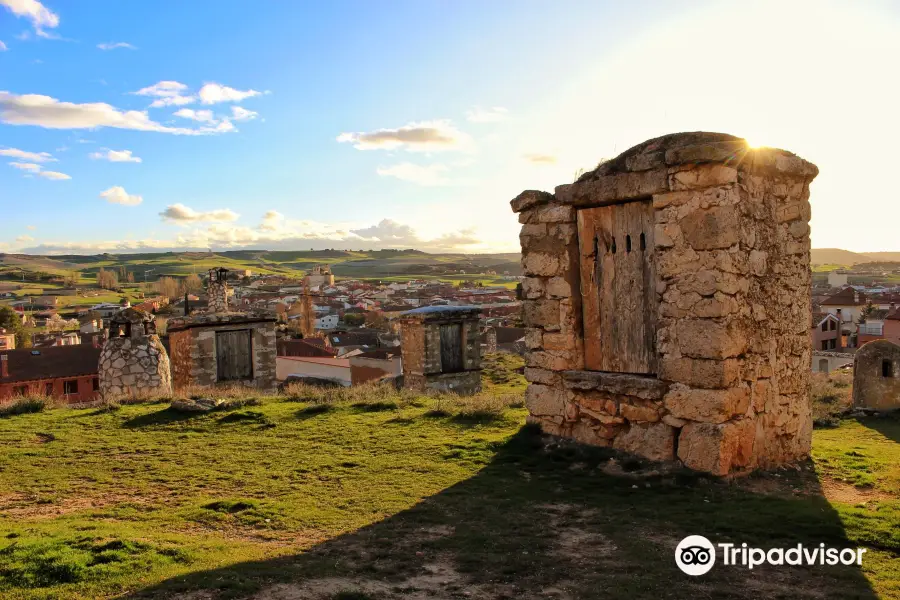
[(327, 322), (337, 369)]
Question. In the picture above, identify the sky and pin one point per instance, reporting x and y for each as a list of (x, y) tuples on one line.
[(168, 125)]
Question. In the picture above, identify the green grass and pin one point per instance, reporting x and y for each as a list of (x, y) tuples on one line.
[(370, 493)]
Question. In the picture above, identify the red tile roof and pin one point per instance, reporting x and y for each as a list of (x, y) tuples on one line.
[(29, 364)]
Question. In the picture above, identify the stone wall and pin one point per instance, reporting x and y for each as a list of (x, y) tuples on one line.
[(421, 343), (192, 341), (730, 265), (876, 376)]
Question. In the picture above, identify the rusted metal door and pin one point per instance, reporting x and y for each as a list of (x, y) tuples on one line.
[(618, 287), (234, 356), (451, 348)]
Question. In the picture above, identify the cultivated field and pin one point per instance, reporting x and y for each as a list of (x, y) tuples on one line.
[(369, 493)]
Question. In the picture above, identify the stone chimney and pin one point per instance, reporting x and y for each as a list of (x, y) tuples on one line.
[(4, 367), (217, 290)]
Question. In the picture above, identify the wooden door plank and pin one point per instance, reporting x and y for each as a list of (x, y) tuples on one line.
[(618, 287)]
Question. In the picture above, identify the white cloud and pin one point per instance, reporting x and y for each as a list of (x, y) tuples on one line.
[(118, 195), (115, 156), (35, 12), (53, 175), (242, 114), (3, 47), (182, 215), (167, 93), (44, 111), (430, 175), (490, 115), (30, 167), (31, 227), (204, 116), (162, 89), (172, 101), (114, 45), (540, 159), (276, 232), (272, 221), (24, 238), (212, 93), (25, 155), (425, 136)]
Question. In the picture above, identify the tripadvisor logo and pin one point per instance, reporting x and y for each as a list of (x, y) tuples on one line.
[(696, 555)]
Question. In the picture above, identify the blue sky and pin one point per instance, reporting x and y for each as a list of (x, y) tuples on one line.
[(412, 124)]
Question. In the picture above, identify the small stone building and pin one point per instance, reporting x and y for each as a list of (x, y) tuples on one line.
[(442, 349), (133, 361), (218, 346), (667, 296), (876, 376)]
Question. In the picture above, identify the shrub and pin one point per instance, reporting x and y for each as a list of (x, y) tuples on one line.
[(830, 395), (25, 404)]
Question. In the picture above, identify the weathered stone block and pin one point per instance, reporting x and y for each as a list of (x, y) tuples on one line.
[(541, 264), (704, 338), (717, 448), (703, 176), (542, 313), (558, 287), (707, 406), (716, 227), (709, 374), (613, 188), (542, 376), (639, 412), (542, 400), (653, 441), (530, 199)]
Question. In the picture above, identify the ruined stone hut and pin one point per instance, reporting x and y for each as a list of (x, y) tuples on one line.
[(442, 349), (218, 346), (133, 361), (667, 296), (876, 376)]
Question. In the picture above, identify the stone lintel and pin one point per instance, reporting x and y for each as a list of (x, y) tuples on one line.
[(215, 319), (646, 387)]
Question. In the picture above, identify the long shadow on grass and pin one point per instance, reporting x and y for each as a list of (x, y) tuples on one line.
[(545, 517), (886, 425), (160, 417)]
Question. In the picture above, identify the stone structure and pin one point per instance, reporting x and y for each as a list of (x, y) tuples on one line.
[(217, 290), (230, 347), (133, 361), (219, 346), (320, 275), (442, 349), (667, 296), (876, 376)]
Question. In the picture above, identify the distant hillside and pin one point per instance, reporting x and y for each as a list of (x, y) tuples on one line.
[(836, 256), (375, 263)]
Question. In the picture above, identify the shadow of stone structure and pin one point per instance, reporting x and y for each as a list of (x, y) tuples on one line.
[(876, 376), (525, 528), (667, 294)]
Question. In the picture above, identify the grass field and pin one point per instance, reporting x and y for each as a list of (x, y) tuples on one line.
[(368, 494)]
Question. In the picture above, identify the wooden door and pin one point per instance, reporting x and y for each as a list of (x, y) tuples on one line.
[(618, 287), (451, 348), (234, 356)]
